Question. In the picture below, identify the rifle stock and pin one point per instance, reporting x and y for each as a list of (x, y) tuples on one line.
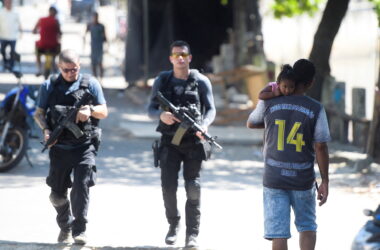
[(71, 115), (184, 117)]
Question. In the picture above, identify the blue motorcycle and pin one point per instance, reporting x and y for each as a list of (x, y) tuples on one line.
[(16, 121), (368, 237)]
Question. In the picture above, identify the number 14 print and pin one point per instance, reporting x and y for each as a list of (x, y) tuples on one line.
[(292, 138)]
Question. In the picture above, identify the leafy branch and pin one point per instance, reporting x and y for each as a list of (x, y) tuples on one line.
[(290, 8)]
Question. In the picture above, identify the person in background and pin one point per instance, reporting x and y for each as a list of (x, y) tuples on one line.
[(10, 30), (50, 37), (98, 38)]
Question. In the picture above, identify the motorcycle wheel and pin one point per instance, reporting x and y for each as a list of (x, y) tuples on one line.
[(15, 146)]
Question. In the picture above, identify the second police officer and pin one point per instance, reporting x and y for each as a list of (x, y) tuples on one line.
[(184, 87), (75, 149)]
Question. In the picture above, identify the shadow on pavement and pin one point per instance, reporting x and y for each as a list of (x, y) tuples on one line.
[(44, 246)]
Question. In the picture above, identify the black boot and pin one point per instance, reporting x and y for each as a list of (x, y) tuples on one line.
[(171, 236), (80, 239), (65, 236), (191, 240)]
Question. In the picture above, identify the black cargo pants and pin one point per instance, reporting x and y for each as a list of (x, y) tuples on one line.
[(171, 157), (63, 162)]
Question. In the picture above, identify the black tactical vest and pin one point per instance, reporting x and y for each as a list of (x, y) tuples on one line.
[(185, 95), (59, 104)]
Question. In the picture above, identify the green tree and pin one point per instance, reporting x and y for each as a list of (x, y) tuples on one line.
[(376, 4), (323, 39), (290, 8), (332, 17)]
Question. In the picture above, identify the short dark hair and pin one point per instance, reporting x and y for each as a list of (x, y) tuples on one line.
[(304, 70), (287, 73), (53, 10), (68, 56), (180, 43)]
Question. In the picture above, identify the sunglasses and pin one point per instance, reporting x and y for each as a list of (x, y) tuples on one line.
[(73, 70), (178, 54)]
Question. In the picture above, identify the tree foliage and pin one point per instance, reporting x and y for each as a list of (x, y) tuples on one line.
[(376, 4), (290, 8), (224, 2), (333, 14)]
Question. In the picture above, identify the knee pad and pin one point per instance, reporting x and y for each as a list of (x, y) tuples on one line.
[(193, 189), (58, 199)]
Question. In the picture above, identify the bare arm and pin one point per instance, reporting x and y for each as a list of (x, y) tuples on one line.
[(251, 125), (99, 112), (35, 29), (267, 93), (39, 118), (322, 157), (104, 34), (85, 33), (59, 28), (256, 118)]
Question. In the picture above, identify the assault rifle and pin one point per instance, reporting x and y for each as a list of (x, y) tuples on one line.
[(187, 122), (68, 121)]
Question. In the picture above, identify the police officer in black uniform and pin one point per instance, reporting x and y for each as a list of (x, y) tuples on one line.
[(188, 88), (75, 149)]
